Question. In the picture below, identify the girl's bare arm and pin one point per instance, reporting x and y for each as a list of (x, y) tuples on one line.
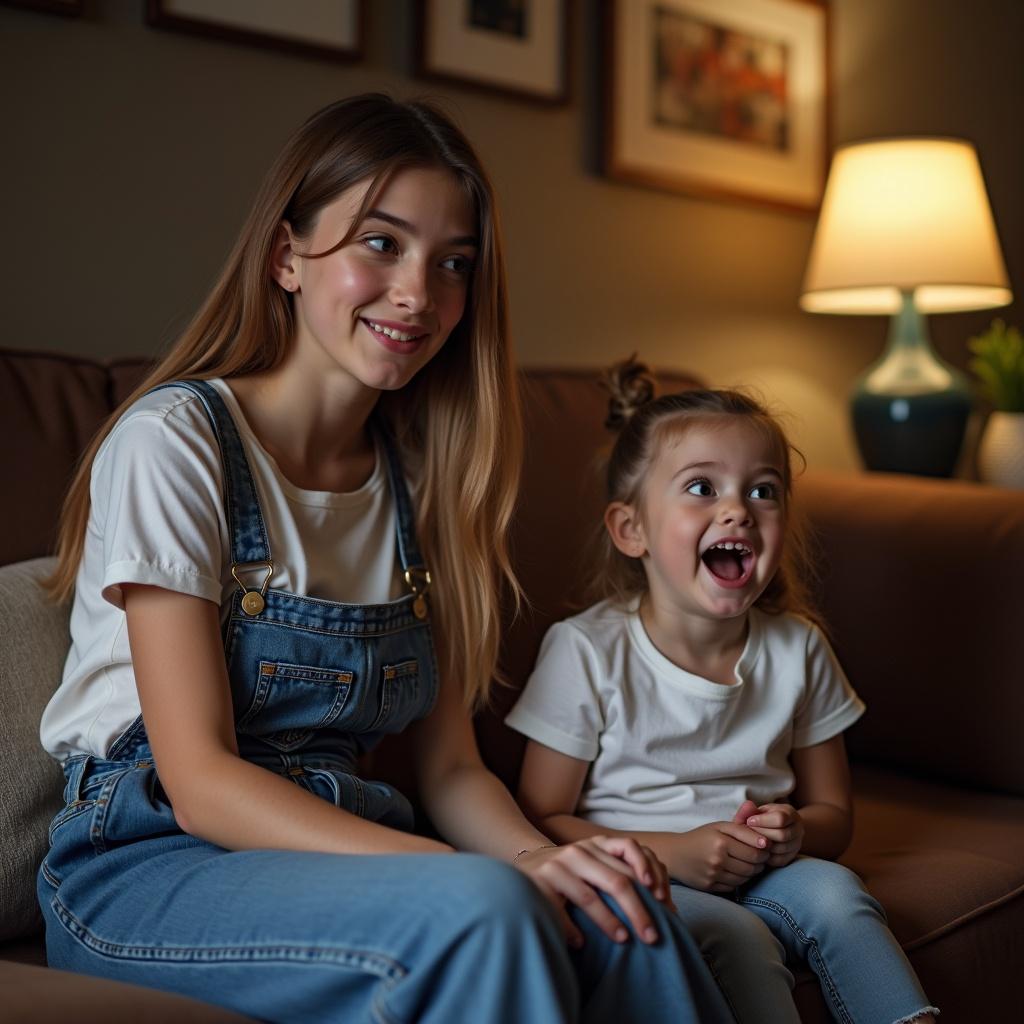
[(716, 857), (824, 797), (819, 818)]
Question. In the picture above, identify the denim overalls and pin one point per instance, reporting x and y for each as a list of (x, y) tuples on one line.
[(288, 935), (314, 683)]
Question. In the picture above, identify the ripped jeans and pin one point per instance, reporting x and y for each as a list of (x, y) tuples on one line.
[(811, 913)]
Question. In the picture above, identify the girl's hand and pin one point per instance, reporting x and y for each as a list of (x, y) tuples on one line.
[(719, 856), (608, 864), (782, 825)]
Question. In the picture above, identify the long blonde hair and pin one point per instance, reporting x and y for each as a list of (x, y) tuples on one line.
[(458, 421), (642, 422)]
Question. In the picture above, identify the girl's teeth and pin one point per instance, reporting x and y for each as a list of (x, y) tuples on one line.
[(728, 545)]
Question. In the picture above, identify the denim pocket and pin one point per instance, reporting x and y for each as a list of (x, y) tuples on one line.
[(63, 816), (80, 791), (290, 701), (74, 829), (399, 695)]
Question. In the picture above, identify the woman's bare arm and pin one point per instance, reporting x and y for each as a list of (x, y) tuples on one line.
[(178, 659), (471, 808)]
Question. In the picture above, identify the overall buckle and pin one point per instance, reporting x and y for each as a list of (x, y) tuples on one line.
[(253, 600), (417, 578)]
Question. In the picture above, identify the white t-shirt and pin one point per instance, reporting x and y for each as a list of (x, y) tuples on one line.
[(157, 517), (670, 750)]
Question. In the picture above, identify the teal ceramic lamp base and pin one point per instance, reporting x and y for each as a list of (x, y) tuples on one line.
[(910, 409)]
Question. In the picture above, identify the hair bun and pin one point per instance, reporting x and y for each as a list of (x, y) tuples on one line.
[(631, 386)]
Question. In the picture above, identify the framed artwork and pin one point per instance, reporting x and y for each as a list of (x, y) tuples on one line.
[(322, 28), (518, 47), (725, 100), (69, 7)]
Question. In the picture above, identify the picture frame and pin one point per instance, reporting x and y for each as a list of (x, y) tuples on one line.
[(332, 29), (515, 47), (725, 101), (69, 8)]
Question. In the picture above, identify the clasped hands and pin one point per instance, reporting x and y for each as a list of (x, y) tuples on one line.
[(723, 855)]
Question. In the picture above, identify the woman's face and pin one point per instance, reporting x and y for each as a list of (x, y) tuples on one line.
[(382, 306)]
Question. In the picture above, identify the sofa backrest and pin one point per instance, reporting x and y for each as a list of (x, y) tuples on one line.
[(922, 588), (922, 579), (50, 408)]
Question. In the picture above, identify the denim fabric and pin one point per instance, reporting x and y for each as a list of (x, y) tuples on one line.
[(310, 937), (812, 913)]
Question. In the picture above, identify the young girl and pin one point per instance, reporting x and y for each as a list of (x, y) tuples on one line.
[(260, 596), (695, 712)]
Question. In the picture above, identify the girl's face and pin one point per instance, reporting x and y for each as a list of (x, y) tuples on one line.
[(382, 306), (712, 518)]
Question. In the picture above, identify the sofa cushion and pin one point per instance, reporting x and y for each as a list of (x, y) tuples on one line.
[(40, 995), (35, 643), (948, 866)]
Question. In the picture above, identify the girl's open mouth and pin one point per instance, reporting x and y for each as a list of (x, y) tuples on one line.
[(730, 563)]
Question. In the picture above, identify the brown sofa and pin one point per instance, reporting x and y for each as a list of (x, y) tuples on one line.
[(921, 584)]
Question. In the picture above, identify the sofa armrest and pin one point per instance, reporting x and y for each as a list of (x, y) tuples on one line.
[(922, 588)]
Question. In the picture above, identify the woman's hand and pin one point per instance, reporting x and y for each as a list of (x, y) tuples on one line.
[(610, 864), (719, 856), (782, 825)]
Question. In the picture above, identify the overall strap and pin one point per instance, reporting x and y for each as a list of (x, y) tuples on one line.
[(246, 528), (417, 576)]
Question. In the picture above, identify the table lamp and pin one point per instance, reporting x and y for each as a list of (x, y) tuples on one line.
[(906, 229)]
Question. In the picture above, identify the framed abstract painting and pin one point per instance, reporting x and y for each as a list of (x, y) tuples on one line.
[(724, 100)]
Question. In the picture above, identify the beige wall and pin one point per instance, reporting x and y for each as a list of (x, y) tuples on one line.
[(130, 156)]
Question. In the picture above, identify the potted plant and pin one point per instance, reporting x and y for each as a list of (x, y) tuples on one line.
[(999, 364)]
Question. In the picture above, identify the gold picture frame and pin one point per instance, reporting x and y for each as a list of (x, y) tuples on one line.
[(722, 100)]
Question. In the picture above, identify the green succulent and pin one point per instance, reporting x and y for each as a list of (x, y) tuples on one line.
[(999, 363)]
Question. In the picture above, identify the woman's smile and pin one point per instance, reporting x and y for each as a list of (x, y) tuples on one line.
[(383, 304), (402, 338)]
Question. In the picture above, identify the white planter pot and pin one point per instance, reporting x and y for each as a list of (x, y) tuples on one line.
[(1001, 452)]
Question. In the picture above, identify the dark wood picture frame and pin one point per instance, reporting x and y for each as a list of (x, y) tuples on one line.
[(161, 14), (668, 157), (69, 8), (510, 73)]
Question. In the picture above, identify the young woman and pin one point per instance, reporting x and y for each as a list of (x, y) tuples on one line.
[(288, 543), (696, 712)]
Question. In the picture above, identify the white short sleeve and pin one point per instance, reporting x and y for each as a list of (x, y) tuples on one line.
[(830, 704), (156, 487), (561, 704)]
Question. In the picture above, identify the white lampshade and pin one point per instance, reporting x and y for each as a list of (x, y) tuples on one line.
[(907, 215)]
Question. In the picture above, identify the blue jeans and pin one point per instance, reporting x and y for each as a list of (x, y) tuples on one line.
[(811, 913), (292, 936)]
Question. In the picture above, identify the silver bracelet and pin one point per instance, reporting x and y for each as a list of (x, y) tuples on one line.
[(534, 849)]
